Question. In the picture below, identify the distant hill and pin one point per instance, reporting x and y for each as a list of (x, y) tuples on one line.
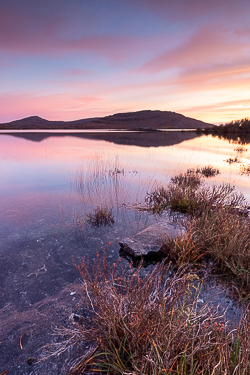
[(142, 120)]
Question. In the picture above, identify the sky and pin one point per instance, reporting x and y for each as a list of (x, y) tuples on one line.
[(73, 59)]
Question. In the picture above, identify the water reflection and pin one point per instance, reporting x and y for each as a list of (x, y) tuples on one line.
[(141, 139), (60, 177), (50, 183), (236, 138)]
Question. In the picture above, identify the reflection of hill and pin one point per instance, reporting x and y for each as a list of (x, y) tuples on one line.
[(141, 139), (144, 139)]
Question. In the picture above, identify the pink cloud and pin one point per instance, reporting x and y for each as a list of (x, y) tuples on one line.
[(220, 112), (221, 106), (204, 47), (52, 107), (47, 41), (215, 74)]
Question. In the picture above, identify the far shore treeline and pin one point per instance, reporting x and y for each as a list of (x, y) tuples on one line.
[(236, 126), (235, 131)]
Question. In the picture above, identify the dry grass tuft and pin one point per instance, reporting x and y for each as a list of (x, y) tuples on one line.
[(240, 149), (220, 235), (101, 216), (207, 171), (218, 228), (190, 179), (231, 160), (187, 194), (152, 325), (245, 169)]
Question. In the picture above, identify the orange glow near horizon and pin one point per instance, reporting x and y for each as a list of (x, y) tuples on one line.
[(59, 65)]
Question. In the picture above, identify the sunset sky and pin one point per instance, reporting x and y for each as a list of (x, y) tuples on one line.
[(72, 59)]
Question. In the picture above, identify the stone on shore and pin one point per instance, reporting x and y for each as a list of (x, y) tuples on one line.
[(149, 241)]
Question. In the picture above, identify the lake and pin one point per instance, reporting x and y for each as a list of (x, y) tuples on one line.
[(51, 183)]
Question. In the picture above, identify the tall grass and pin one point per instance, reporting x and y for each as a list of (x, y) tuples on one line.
[(108, 183), (100, 184), (152, 325), (220, 235), (218, 226)]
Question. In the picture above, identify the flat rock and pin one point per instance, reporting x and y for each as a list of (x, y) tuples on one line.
[(149, 241)]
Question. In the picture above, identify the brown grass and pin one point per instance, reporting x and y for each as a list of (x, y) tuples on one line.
[(218, 228), (231, 160), (220, 235), (207, 171), (187, 194), (245, 169), (101, 216), (152, 325)]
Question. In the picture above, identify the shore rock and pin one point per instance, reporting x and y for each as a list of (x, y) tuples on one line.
[(149, 241)]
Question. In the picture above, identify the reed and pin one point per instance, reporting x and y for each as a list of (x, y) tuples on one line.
[(105, 187)]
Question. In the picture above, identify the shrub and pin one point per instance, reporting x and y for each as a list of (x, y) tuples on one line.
[(101, 216), (240, 149), (231, 160), (208, 171), (190, 179), (158, 199), (182, 199), (245, 169), (186, 193), (179, 195)]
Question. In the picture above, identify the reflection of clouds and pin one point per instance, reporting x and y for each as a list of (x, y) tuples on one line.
[(37, 185), (57, 149)]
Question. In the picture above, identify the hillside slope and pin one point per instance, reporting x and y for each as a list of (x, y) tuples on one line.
[(141, 120)]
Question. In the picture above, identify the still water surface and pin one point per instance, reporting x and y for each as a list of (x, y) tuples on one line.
[(51, 182), (40, 172)]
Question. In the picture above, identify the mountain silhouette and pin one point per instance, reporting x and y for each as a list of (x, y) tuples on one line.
[(141, 120)]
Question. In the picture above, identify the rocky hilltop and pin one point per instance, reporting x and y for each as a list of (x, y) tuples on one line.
[(142, 120)]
